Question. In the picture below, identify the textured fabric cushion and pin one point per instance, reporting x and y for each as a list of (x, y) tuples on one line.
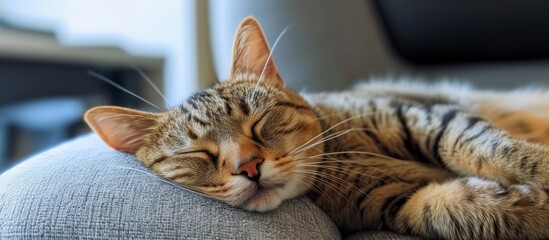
[(83, 189)]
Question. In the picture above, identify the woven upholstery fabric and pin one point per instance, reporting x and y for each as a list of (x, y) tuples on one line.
[(83, 189)]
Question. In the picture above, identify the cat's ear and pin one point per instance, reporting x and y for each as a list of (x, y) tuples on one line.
[(251, 53), (121, 128)]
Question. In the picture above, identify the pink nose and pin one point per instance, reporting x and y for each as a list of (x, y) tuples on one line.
[(250, 169)]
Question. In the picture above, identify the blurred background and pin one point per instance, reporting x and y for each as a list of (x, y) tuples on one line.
[(47, 48)]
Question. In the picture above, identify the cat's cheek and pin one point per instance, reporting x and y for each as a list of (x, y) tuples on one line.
[(263, 203), (294, 187)]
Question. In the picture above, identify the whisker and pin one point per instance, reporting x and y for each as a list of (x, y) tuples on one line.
[(320, 165), (331, 200), (322, 140), (327, 130), (275, 44), (150, 82), (336, 179), (327, 184), (120, 114), (103, 78), (351, 152), (330, 137), (334, 160), (162, 180), (311, 181)]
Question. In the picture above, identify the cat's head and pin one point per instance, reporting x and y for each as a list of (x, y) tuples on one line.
[(243, 141)]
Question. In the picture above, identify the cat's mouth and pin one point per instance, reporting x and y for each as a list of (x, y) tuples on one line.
[(264, 197), (264, 191)]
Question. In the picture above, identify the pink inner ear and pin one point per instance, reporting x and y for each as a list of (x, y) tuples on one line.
[(250, 54), (121, 129), (121, 140)]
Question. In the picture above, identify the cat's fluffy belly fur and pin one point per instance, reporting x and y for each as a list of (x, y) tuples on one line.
[(437, 161)]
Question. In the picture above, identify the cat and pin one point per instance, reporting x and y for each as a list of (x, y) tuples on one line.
[(439, 161)]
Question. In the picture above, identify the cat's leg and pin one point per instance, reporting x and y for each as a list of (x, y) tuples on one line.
[(354, 192), (523, 114), (472, 208), (471, 146)]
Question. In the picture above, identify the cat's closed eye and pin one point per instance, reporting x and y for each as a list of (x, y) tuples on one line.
[(203, 154), (256, 133)]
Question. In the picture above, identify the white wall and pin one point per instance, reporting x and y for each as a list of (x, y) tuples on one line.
[(166, 28)]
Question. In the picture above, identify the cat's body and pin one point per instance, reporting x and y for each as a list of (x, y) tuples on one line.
[(443, 162), (409, 156)]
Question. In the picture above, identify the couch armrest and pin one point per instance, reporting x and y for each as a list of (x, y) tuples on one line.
[(84, 189)]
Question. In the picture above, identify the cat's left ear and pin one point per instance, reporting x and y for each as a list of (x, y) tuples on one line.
[(121, 128), (251, 54)]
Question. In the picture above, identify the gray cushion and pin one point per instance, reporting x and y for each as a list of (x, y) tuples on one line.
[(84, 189)]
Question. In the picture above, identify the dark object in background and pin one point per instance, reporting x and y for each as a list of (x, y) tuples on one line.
[(41, 103), (49, 121), (449, 31), (24, 80)]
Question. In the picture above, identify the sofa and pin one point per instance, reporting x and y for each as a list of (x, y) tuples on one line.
[(84, 189)]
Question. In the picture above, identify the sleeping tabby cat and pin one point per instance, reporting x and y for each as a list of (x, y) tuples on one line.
[(438, 161)]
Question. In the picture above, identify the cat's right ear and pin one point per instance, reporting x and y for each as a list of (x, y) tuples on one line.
[(121, 128), (252, 55)]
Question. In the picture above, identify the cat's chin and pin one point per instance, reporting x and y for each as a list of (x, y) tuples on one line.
[(263, 200)]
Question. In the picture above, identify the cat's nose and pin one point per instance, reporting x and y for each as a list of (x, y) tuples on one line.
[(250, 169)]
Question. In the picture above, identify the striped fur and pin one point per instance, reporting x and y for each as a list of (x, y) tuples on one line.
[(441, 161), (458, 175)]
